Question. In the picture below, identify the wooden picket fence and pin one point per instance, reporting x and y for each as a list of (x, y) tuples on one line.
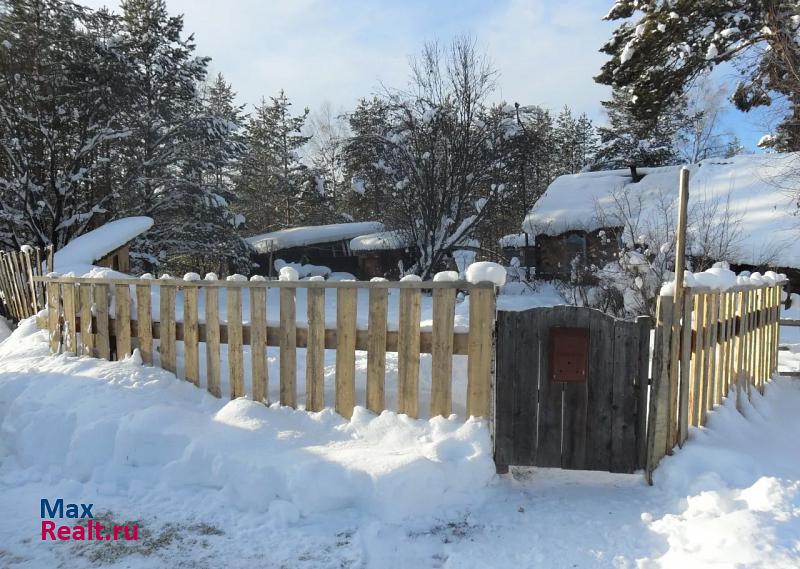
[(709, 344), (79, 321), (20, 296)]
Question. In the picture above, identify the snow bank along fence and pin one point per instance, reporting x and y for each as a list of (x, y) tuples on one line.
[(98, 317), (706, 344), (21, 296)]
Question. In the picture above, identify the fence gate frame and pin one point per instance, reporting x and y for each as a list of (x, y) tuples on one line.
[(597, 424)]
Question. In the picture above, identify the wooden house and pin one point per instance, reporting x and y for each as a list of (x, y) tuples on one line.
[(326, 245), (586, 218), (382, 254)]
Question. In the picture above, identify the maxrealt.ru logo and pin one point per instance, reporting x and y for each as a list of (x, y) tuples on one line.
[(93, 530)]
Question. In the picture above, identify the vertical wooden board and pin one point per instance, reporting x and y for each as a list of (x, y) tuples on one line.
[(167, 326), (505, 386), (696, 389), (575, 401), (376, 349), (623, 419), (548, 434), (659, 392), (122, 321), (54, 316), (408, 352), (444, 302), (600, 392), (315, 351), (258, 343), (20, 291), (525, 374), (28, 268), (212, 341), (70, 325), (144, 319), (191, 335), (685, 368), (722, 343), (739, 349), (644, 325), (288, 348), (479, 351), (713, 367), (235, 342), (705, 396), (102, 339), (87, 334), (776, 328), (346, 351)]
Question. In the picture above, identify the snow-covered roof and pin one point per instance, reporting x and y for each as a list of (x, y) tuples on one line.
[(310, 235), (381, 241), (754, 190), (96, 244)]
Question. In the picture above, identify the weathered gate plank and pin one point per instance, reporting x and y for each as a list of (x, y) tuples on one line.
[(548, 447), (576, 399), (623, 419), (506, 408), (599, 412)]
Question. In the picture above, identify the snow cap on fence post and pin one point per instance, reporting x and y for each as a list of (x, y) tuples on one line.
[(211, 277), (445, 276), (486, 271), (237, 278), (411, 278), (288, 274), (191, 277)]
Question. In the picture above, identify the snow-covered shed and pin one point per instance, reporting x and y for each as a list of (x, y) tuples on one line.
[(326, 245), (745, 203), (107, 246), (381, 254)]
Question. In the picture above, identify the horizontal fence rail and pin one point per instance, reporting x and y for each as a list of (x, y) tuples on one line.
[(728, 341), (20, 296), (108, 318)]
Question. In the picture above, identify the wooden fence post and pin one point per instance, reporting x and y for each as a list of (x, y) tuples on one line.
[(167, 326), (54, 315), (144, 321), (346, 351), (658, 418), (123, 321), (480, 342), (212, 341), (103, 337)]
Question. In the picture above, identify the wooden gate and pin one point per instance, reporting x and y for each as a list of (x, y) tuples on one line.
[(583, 408)]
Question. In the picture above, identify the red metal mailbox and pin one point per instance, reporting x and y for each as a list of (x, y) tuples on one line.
[(569, 354)]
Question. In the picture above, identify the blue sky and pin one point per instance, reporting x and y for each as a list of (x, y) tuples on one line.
[(324, 50)]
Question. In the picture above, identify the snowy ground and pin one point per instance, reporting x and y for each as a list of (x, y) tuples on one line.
[(236, 484)]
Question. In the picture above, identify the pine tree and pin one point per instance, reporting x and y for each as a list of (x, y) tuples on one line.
[(61, 82), (276, 188), (565, 135), (586, 142), (629, 142), (661, 46), (176, 144)]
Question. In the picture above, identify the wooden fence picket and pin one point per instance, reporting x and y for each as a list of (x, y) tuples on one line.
[(70, 321), (408, 353), (212, 342), (54, 315), (87, 334), (167, 328), (191, 336), (480, 342), (315, 350), (685, 368), (444, 302), (235, 343), (345, 351), (258, 342), (122, 320), (288, 348), (144, 322), (103, 337), (376, 349)]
